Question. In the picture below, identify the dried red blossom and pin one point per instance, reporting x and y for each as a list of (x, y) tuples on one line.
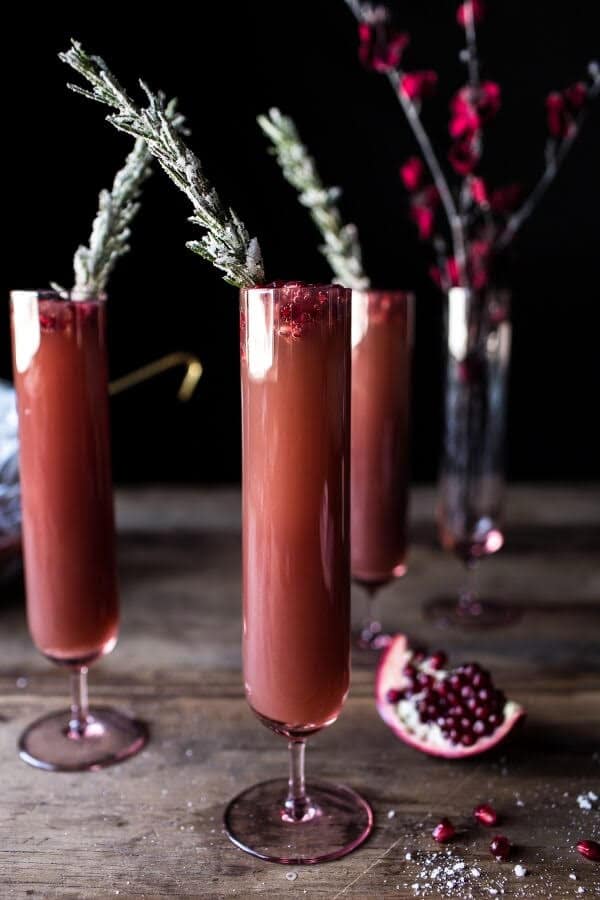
[(464, 118), (419, 85), (380, 46), (562, 108), (463, 13), (424, 204), (504, 199), (489, 100), (411, 173), (576, 95), (558, 119), (453, 272), (479, 191), (479, 263), (464, 155), (469, 112), (450, 276), (424, 218)]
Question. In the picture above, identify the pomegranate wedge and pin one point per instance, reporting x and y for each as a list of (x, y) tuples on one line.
[(451, 713)]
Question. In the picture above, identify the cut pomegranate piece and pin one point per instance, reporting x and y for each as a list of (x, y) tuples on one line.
[(449, 713)]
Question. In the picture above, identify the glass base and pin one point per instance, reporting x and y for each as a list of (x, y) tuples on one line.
[(448, 612), (337, 820), (109, 737)]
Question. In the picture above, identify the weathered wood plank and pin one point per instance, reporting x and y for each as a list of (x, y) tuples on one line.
[(152, 827)]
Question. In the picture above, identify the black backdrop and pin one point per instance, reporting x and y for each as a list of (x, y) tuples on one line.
[(229, 61)]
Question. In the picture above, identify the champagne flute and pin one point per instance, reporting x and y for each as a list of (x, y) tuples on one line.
[(382, 328), (295, 352), (61, 380)]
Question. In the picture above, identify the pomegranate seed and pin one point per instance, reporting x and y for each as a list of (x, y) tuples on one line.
[(394, 695), (443, 831), (471, 669), (409, 671), (419, 654), (589, 849), (485, 814), (481, 680), (47, 323), (438, 659), (500, 847)]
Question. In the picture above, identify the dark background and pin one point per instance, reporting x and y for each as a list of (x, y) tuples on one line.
[(229, 61)]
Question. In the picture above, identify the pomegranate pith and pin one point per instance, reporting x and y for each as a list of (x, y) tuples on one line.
[(589, 849), (449, 713), (443, 831)]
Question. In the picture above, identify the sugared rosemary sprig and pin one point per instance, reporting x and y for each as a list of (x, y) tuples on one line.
[(110, 234), (227, 245), (341, 248)]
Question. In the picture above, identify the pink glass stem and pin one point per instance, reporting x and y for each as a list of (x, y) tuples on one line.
[(371, 625), (79, 703), (297, 804), (468, 601)]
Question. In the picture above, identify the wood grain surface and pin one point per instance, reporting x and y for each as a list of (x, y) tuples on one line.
[(152, 827)]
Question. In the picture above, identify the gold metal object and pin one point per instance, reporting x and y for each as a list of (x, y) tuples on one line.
[(193, 374)]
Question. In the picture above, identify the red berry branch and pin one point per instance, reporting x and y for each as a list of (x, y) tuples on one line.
[(481, 220)]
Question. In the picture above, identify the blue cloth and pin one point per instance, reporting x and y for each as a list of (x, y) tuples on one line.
[(10, 507)]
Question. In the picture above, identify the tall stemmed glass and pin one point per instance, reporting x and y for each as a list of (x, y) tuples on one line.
[(295, 362), (381, 362), (471, 485), (60, 369)]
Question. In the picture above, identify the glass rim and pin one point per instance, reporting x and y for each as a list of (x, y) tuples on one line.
[(73, 295), (312, 287), (399, 293)]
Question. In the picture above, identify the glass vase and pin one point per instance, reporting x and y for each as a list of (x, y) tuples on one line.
[(61, 381), (295, 371), (472, 480)]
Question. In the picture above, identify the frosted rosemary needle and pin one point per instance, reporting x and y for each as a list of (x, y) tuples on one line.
[(227, 244)]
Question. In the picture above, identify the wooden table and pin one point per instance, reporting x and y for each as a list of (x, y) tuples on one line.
[(152, 827)]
